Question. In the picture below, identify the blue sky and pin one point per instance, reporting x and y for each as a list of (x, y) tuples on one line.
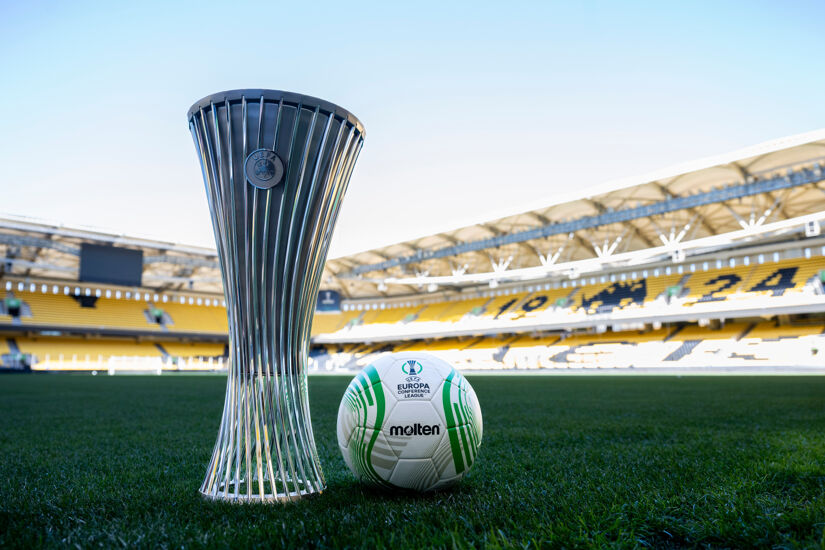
[(472, 109)]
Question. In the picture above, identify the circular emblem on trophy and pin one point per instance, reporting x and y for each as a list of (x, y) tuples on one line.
[(264, 169)]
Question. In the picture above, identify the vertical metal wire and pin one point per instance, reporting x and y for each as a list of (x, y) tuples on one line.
[(272, 244)]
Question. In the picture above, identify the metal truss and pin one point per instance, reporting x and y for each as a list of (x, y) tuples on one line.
[(791, 180), (181, 260), (37, 242)]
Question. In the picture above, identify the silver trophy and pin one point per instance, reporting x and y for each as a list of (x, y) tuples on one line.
[(276, 166)]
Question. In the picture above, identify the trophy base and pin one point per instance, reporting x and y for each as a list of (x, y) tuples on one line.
[(242, 496)]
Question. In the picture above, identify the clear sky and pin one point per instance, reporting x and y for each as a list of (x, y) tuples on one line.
[(471, 109)]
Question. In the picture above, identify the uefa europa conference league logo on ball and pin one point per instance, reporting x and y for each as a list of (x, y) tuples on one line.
[(413, 386), (263, 168)]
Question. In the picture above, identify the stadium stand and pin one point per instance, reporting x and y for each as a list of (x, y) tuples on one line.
[(767, 282), (61, 310), (719, 262), (658, 291), (734, 344)]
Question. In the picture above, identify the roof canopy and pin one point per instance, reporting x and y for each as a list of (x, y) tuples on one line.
[(766, 183)]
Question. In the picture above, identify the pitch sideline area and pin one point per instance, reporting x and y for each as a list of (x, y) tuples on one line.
[(628, 461), (631, 372)]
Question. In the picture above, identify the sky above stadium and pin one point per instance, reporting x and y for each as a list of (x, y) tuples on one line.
[(472, 110)]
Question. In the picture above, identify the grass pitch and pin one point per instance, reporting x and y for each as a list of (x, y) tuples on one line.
[(593, 461)]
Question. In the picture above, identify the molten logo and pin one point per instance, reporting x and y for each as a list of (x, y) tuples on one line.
[(415, 429)]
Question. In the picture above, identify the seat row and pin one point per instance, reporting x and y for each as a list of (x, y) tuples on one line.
[(685, 286), (734, 344)]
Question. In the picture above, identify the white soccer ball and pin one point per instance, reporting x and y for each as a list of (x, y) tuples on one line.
[(409, 421)]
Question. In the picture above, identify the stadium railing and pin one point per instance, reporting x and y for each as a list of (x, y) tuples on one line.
[(130, 364)]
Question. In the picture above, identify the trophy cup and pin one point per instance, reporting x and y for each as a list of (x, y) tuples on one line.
[(276, 166)]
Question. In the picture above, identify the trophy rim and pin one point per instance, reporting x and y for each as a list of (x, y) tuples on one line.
[(292, 98)]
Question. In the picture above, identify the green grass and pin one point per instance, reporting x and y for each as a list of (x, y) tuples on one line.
[(591, 461)]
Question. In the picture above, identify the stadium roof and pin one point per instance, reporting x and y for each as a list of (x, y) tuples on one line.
[(769, 182), (38, 249), (745, 189)]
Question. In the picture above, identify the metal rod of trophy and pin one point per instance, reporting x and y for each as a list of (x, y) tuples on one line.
[(276, 166)]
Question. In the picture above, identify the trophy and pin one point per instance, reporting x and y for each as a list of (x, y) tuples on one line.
[(276, 166)]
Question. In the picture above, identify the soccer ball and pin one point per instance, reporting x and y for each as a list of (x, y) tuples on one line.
[(409, 421)]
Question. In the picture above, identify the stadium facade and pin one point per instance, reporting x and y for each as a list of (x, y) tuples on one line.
[(715, 263)]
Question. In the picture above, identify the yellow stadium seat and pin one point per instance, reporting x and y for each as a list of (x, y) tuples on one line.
[(62, 310), (54, 348), (434, 312), (394, 315), (713, 285), (769, 331), (327, 323), (462, 308), (695, 332), (194, 349), (194, 318), (658, 285)]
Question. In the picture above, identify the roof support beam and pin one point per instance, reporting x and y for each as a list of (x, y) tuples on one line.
[(692, 211), (181, 261), (793, 179), (26, 240)]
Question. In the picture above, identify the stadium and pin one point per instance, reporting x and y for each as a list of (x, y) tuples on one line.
[(446, 275), (713, 265)]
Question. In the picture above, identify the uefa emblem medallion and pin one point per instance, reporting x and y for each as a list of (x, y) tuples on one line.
[(263, 168)]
